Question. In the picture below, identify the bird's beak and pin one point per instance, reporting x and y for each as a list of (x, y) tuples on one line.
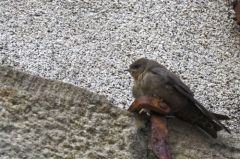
[(128, 70)]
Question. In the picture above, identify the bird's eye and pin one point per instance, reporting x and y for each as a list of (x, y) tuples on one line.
[(136, 66)]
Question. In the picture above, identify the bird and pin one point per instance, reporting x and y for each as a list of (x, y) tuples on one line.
[(153, 79)]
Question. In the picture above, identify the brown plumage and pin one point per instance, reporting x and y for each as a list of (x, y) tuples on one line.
[(153, 79)]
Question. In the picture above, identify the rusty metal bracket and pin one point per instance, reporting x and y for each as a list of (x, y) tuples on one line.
[(154, 104), (159, 131)]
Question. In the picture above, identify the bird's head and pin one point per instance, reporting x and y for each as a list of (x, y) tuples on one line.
[(138, 67)]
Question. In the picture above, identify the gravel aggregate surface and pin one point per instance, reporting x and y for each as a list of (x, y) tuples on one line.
[(90, 43)]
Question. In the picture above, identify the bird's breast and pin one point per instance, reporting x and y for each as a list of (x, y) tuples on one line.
[(137, 90)]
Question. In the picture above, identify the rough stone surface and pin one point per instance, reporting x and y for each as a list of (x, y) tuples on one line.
[(88, 43), (48, 119), (42, 118)]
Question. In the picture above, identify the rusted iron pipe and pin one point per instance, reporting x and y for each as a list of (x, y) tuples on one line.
[(159, 137)]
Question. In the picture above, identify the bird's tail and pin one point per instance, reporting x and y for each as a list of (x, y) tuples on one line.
[(212, 126), (209, 123)]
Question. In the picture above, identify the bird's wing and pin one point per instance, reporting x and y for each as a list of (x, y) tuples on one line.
[(173, 79), (179, 86)]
